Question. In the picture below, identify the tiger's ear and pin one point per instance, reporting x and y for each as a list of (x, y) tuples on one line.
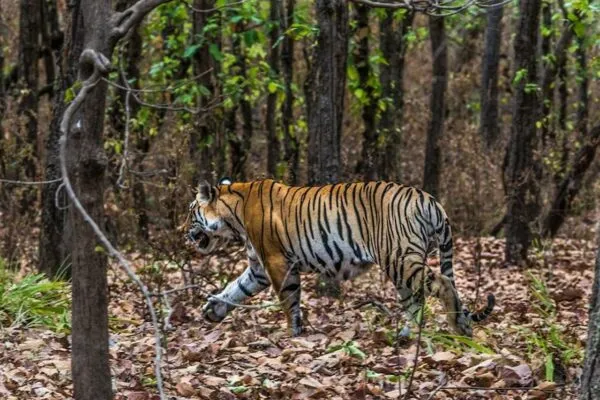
[(225, 181), (206, 193)]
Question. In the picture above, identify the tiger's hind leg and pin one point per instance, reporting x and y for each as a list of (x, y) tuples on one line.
[(443, 288), (411, 293), (286, 283)]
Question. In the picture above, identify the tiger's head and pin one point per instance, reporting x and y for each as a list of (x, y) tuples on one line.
[(208, 227)]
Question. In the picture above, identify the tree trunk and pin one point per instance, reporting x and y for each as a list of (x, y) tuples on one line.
[(583, 104), (520, 169), (489, 128), (325, 90), (393, 47), (291, 150), (589, 388), (273, 152), (53, 255), (437, 105), (203, 141), (29, 31), (86, 163), (240, 145), (2, 105), (52, 40), (369, 165), (571, 184)]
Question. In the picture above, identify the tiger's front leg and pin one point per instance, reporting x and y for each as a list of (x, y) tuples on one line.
[(252, 281)]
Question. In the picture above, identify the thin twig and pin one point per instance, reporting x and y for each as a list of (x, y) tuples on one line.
[(11, 182), (100, 67)]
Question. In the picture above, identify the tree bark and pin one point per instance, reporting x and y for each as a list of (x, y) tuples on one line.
[(273, 151), (53, 254), (590, 378), (583, 104), (2, 105), (291, 150), (29, 31), (239, 145), (369, 165), (520, 169), (203, 139), (437, 105), (489, 128), (393, 47), (325, 91), (52, 40), (86, 165)]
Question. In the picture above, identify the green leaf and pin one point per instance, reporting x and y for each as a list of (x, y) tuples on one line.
[(215, 52), (190, 51), (238, 389), (549, 364), (272, 87)]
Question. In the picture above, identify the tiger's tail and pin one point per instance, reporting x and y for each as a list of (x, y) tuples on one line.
[(444, 236)]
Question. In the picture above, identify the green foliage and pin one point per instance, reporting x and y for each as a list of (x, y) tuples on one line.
[(34, 301), (350, 348), (455, 342)]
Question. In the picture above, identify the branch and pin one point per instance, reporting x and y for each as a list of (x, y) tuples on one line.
[(95, 65), (438, 8), (122, 22)]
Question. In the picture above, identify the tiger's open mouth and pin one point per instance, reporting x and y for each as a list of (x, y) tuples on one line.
[(199, 238)]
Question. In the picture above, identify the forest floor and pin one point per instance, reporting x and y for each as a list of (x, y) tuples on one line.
[(532, 343)]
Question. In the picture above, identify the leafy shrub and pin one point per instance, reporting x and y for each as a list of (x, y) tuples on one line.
[(34, 301)]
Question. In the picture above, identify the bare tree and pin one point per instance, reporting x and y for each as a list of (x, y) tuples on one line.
[(369, 163), (291, 150), (239, 143), (203, 139), (437, 103), (393, 47), (273, 152), (520, 172), (29, 46), (589, 388), (489, 127), (325, 90)]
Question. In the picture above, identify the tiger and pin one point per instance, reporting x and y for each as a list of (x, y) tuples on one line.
[(340, 230)]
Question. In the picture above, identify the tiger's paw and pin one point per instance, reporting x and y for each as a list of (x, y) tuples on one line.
[(215, 310), (296, 328)]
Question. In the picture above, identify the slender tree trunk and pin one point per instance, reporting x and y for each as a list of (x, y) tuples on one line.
[(203, 146), (52, 40), (393, 47), (583, 102), (273, 152), (589, 388), (29, 31), (369, 165), (571, 184), (437, 105), (520, 169), (291, 150), (489, 128), (2, 105), (86, 165), (53, 255), (325, 90), (240, 145)]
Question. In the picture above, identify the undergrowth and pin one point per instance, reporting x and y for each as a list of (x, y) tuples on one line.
[(33, 301)]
